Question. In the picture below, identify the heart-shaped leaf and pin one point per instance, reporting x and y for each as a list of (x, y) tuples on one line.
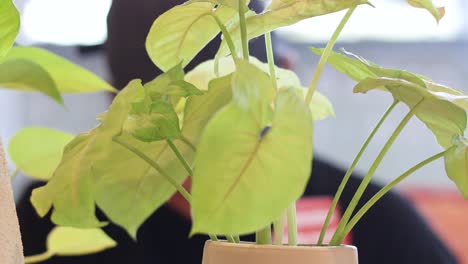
[(68, 77), (37, 151), (437, 12), (285, 13), (179, 34), (232, 181), (456, 164), (9, 25)]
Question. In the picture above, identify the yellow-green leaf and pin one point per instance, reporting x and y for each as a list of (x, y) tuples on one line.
[(180, 33), (25, 75), (437, 12), (321, 107), (248, 178), (69, 241), (37, 151), (68, 77), (456, 164), (9, 25), (229, 3)]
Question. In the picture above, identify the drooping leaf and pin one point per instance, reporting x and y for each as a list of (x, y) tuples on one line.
[(180, 33), (69, 241), (9, 25), (285, 13), (24, 75), (37, 151), (456, 164), (248, 178), (437, 12), (444, 118), (68, 77)]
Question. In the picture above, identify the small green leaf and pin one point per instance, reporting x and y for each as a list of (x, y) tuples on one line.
[(68, 77), (158, 122), (37, 151), (9, 25), (456, 164), (285, 13), (25, 75), (69, 241), (437, 12), (321, 107), (444, 118), (180, 33), (251, 175)]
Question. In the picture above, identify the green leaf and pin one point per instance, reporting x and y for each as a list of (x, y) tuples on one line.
[(68, 77), (229, 3), (456, 164), (69, 241), (9, 25), (321, 107), (24, 75), (239, 188), (158, 122), (444, 118), (180, 33), (37, 151), (285, 13), (437, 12)]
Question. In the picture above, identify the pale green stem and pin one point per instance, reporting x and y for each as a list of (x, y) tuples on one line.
[(350, 171), (15, 173), (263, 237), (180, 156), (188, 143), (387, 188), (292, 225), (243, 30), (37, 258), (278, 226), (230, 238), (339, 236), (326, 53), (271, 60), (153, 164), (236, 238), (226, 36)]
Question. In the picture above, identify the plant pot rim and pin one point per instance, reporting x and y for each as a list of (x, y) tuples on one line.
[(253, 245)]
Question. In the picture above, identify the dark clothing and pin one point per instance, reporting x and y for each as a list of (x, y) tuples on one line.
[(392, 232)]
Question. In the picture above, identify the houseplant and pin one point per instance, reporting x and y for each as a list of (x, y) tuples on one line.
[(224, 101)]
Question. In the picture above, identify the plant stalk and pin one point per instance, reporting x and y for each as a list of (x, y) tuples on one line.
[(226, 36), (180, 156), (243, 30), (292, 225), (263, 237), (230, 238), (387, 188), (278, 226), (188, 143), (339, 233), (324, 58), (350, 171), (271, 60), (236, 238)]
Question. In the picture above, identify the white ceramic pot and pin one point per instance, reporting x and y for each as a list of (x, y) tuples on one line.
[(250, 253)]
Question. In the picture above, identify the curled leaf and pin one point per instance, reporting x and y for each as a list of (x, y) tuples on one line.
[(456, 164), (437, 12)]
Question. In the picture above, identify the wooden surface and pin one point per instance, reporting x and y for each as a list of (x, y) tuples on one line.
[(11, 248)]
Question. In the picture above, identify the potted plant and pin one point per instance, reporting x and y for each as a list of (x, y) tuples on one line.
[(241, 129)]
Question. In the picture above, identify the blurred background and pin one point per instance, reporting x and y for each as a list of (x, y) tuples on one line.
[(393, 35)]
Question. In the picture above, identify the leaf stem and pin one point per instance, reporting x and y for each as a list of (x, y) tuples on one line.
[(230, 238), (263, 236), (180, 156), (37, 258), (292, 225), (324, 58), (271, 59), (339, 233), (188, 143), (278, 226), (350, 171), (243, 30), (226, 35), (236, 238), (387, 188)]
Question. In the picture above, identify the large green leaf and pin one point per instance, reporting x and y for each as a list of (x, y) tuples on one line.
[(246, 158), (444, 118), (9, 25), (68, 77), (456, 164), (69, 241), (437, 12), (285, 13), (180, 33), (37, 151), (25, 75), (229, 3)]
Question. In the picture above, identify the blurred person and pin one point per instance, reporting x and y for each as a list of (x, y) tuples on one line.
[(391, 232)]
